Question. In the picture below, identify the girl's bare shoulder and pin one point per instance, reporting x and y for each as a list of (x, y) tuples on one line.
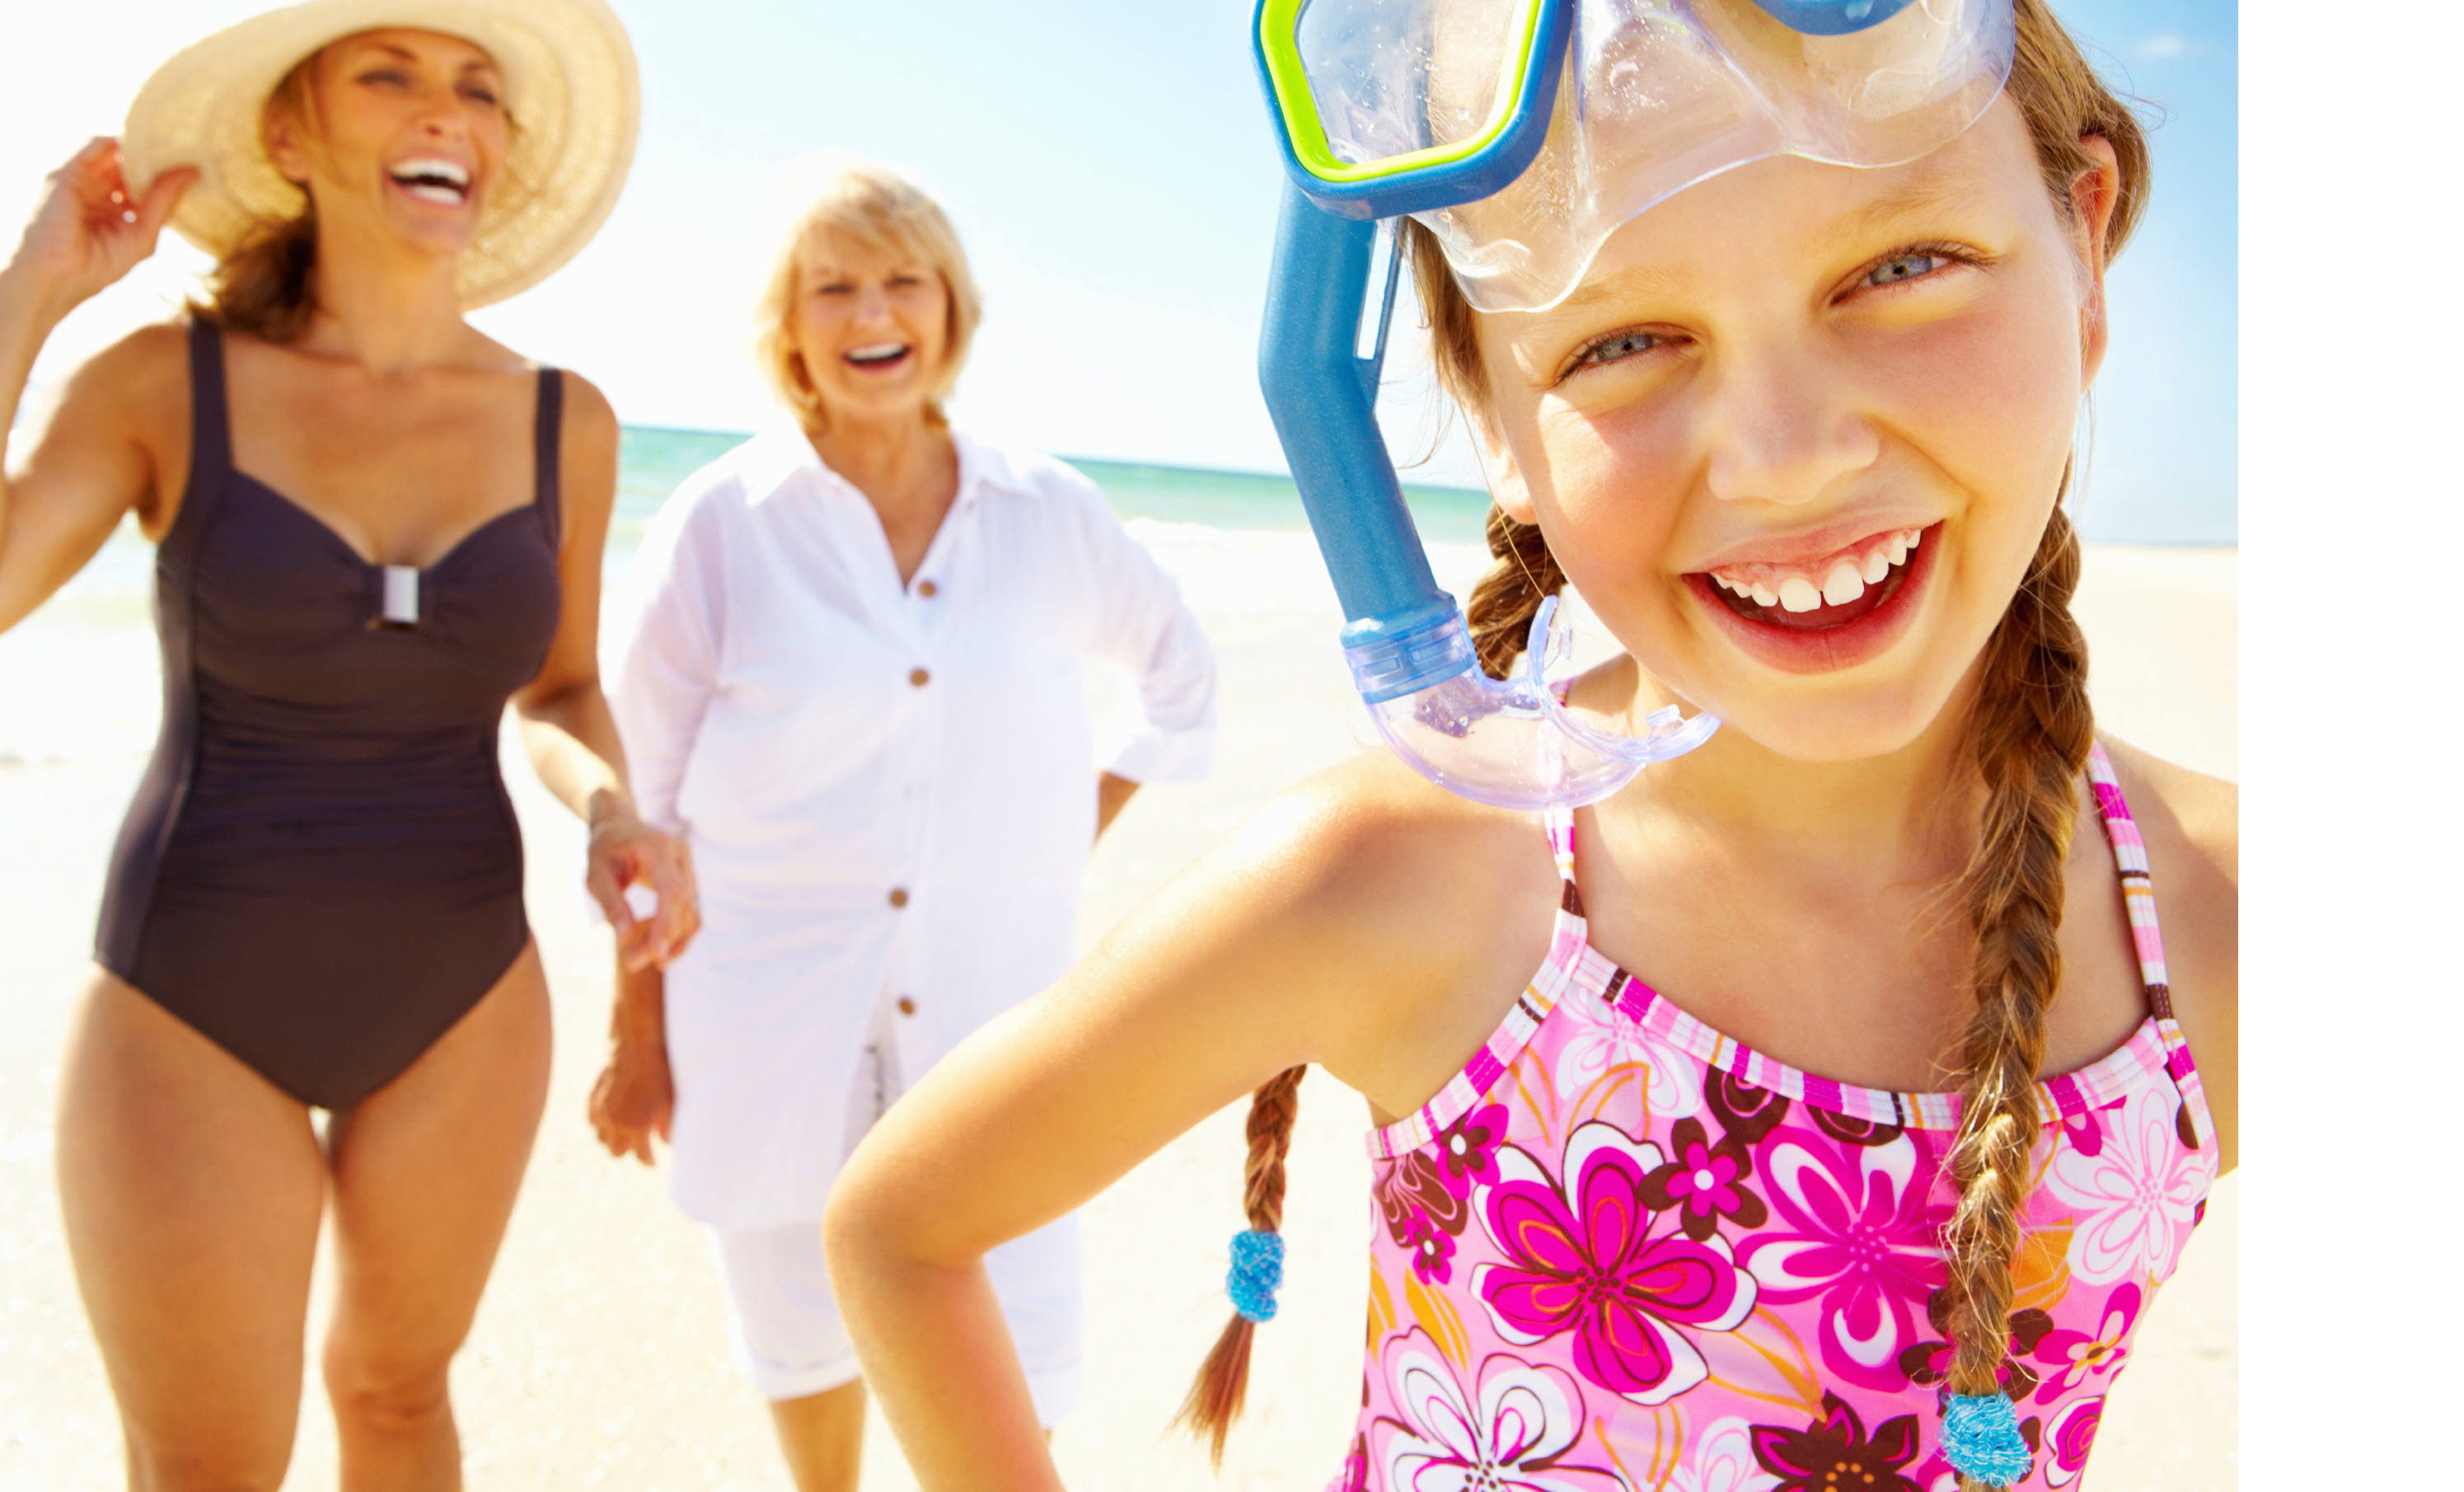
[(1416, 911)]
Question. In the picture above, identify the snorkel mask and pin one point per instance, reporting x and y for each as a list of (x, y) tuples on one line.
[(1523, 133)]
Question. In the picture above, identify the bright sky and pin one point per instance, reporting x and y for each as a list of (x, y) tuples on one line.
[(1108, 165)]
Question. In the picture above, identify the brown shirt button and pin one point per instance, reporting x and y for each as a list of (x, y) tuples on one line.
[(905, 1006), (920, 679), (927, 589), (899, 896)]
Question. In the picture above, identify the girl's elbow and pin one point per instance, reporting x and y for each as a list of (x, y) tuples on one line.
[(859, 1224)]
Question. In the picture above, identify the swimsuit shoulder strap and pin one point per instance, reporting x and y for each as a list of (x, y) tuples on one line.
[(210, 448), (1560, 820), (549, 443), (2138, 889)]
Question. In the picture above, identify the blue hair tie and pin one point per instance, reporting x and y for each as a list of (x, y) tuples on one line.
[(1257, 1272), (1980, 1435)]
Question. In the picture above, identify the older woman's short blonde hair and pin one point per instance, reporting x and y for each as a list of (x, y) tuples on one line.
[(859, 203)]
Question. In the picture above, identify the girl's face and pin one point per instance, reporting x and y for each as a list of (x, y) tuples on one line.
[(1796, 435), (410, 135), (870, 326)]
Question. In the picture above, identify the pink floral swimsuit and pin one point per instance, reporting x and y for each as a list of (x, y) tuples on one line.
[(1622, 1250)]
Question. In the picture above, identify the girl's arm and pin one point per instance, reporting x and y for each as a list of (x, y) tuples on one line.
[(94, 462), (1365, 922), (565, 723)]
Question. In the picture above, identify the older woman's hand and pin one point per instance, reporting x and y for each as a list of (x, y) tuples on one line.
[(624, 852), (635, 1095)]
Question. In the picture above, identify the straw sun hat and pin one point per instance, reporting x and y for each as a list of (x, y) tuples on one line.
[(570, 88)]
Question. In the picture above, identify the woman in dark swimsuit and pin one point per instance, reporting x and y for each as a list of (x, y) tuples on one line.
[(376, 527)]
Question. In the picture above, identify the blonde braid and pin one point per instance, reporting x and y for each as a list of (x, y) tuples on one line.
[(2031, 737), (1214, 1400)]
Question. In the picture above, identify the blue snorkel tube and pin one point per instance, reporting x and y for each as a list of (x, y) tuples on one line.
[(1507, 743)]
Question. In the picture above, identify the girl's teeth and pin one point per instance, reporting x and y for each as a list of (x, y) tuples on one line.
[(1845, 581)]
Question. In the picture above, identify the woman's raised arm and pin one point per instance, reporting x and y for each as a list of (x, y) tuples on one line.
[(93, 462)]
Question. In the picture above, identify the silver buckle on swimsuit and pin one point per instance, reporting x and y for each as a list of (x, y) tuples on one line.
[(401, 608)]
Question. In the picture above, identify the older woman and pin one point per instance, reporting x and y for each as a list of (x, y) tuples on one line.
[(376, 525), (852, 682)]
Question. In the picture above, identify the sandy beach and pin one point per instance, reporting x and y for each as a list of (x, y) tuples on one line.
[(599, 1359)]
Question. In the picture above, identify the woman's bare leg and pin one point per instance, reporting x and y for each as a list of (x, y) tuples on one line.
[(191, 1188), (822, 1436), (425, 1173)]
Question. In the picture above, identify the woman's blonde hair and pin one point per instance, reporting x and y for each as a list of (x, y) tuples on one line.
[(2027, 743), (874, 209)]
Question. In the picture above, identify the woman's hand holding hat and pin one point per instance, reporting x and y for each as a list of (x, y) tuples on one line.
[(90, 228)]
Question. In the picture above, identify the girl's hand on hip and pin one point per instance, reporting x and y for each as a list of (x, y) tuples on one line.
[(626, 852), (89, 227), (634, 1099)]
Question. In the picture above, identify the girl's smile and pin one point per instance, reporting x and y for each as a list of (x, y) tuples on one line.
[(1832, 614)]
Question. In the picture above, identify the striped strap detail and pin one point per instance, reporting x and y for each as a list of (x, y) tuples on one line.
[(2138, 889)]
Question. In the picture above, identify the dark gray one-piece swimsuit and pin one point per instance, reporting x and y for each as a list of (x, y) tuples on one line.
[(322, 871)]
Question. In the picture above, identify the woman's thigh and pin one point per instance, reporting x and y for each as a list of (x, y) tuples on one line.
[(190, 1187), (425, 1173)]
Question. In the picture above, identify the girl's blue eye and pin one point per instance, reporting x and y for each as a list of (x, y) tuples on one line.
[(1624, 345), (1905, 266)]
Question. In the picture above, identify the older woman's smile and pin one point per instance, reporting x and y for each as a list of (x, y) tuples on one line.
[(879, 357)]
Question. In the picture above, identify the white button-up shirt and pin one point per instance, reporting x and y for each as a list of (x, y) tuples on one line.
[(890, 790)]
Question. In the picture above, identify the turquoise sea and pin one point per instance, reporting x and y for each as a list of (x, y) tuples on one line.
[(653, 461)]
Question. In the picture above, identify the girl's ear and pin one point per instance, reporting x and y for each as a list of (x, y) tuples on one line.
[(1507, 487), (2093, 196)]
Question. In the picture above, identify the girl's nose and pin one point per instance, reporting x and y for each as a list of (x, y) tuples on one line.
[(1784, 431)]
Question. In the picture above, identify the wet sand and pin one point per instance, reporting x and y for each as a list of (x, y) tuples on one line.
[(599, 1358)]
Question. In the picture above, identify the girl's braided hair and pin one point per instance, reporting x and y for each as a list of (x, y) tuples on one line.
[(2028, 741)]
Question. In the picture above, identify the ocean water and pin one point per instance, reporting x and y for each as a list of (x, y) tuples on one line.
[(80, 680), (655, 460)]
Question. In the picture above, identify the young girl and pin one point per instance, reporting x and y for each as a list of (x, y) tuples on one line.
[(1858, 1106)]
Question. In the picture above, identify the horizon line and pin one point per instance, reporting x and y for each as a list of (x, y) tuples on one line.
[(1093, 461)]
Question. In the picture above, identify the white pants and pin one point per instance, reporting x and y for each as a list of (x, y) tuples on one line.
[(784, 1324)]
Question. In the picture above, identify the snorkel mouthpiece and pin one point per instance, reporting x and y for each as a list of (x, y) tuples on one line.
[(1510, 742), (1506, 743)]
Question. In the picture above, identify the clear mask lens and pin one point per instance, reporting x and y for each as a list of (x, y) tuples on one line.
[(1656, 96), (1394, 78)]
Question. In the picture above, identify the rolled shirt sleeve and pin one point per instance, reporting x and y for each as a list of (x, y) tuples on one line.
[(1135, 619)]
